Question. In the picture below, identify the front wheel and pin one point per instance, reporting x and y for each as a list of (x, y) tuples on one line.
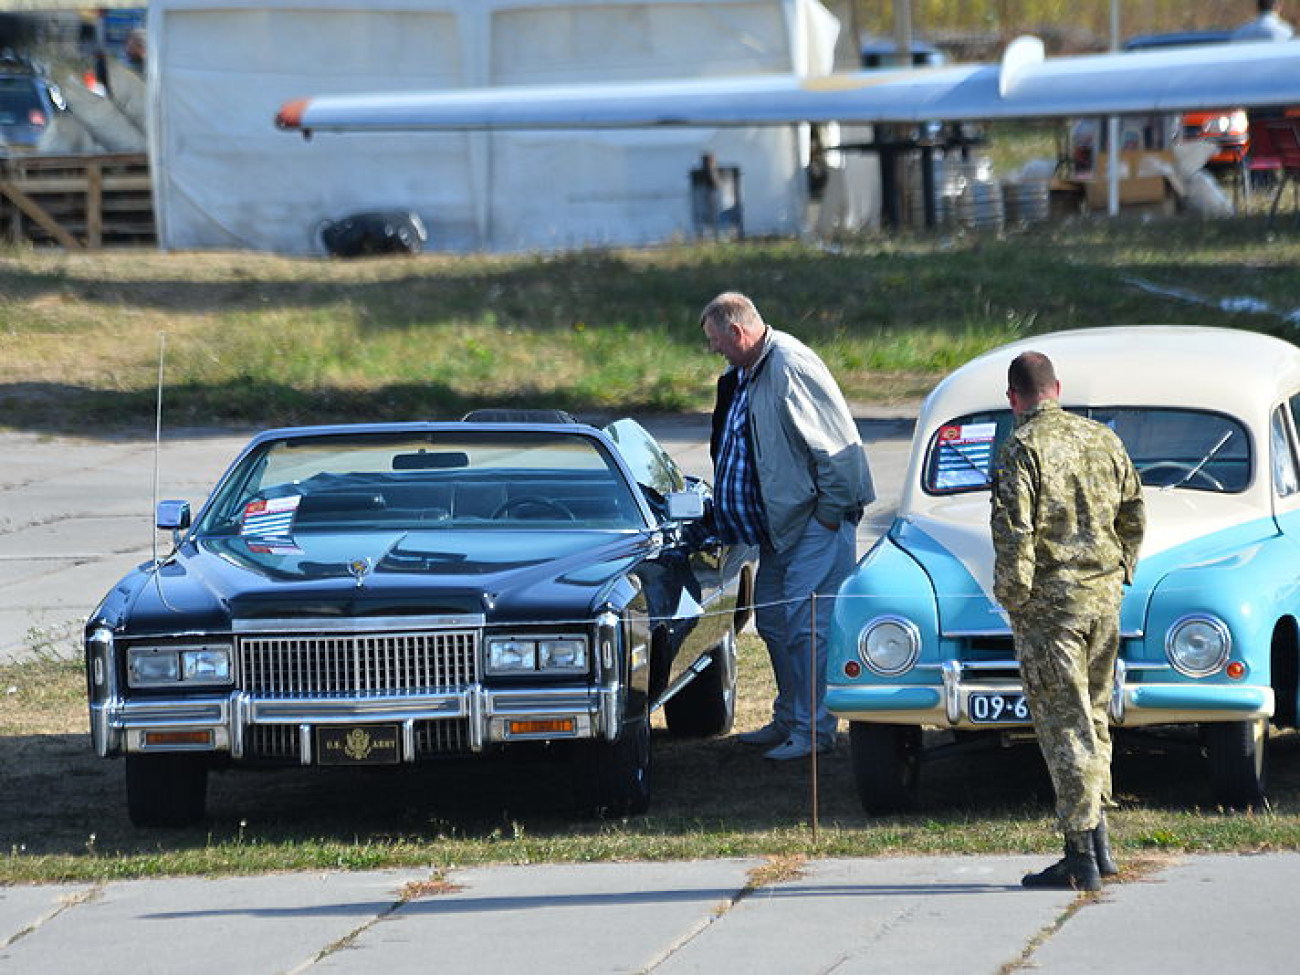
[(166, 790), (707, 705), (1236, 751), (886, 762), (612, 778)]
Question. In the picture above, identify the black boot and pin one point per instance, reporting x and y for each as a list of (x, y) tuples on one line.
[(1106, 865), (1076, 871)]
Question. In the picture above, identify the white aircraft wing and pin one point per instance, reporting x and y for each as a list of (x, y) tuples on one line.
[(1024, 85)]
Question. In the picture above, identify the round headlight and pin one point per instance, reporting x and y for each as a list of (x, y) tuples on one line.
[(889, 645), (1198, 645)]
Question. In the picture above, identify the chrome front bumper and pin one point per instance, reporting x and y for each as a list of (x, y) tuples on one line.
[(1132, 704), (118, 726)]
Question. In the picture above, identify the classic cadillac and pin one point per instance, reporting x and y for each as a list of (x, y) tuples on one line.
[(1209, 626), (389, 593)]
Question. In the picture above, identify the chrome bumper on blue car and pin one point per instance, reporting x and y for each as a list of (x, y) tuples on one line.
[(1132, 704), (492, 716)]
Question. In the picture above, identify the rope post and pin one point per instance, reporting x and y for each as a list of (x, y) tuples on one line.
[(812, 715)]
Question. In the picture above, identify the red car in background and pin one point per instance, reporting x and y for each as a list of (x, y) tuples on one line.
[(1227, 128)]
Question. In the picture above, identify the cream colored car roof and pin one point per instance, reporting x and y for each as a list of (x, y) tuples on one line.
[(1244, 374)]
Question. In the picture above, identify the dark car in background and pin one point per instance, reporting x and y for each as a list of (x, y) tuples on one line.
[(29, 102), (882, 52), (385, 594)]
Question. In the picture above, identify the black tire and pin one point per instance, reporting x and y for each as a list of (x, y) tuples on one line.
[(886, 766), (1236, 751), (707, 705), (612, 778), (166, 790)]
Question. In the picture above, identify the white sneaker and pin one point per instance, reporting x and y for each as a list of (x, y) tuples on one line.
[(767, 736), (791, 748)]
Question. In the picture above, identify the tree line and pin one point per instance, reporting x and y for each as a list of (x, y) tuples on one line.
[(1067, 25)]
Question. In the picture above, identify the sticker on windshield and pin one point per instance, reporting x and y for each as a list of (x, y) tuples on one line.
[(270, 518), (965, 456)]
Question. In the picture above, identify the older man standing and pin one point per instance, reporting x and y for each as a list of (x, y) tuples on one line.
[(791, 476), (1067, 521)]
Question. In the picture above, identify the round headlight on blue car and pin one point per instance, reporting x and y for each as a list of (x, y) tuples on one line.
[(1198, 645), (889, 645)]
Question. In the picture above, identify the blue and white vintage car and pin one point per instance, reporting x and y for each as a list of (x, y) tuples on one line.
[(1209, 626)]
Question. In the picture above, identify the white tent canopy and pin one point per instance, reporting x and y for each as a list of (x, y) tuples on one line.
[(226, 178)]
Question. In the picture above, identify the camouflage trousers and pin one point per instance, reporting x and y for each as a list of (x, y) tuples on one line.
[(1067, 664)]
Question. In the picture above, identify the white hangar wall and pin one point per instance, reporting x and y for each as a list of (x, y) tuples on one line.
[(224, 177)]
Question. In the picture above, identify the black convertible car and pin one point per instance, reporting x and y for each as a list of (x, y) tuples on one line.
[(381, 594)]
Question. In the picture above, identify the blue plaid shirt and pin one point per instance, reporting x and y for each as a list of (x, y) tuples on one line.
[(738, 504)]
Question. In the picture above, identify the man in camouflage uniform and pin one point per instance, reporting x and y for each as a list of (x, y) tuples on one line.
[(1068, 520)]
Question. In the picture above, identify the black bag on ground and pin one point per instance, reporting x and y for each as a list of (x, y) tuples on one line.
[(377, 232)]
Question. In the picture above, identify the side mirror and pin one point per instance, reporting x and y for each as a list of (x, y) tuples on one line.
[(172, 516), (685, 506)]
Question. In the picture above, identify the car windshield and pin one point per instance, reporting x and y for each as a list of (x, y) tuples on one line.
[(1187, 449), (423, 481)]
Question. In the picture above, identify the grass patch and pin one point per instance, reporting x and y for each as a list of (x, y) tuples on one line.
[(714, 798), (261, 340)]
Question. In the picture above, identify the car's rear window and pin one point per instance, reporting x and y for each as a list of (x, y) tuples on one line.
[(1191, 449)]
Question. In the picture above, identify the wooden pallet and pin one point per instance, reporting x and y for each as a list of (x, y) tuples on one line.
[(77, 202)]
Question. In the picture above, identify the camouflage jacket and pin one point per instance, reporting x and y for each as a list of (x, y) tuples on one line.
[(1068, 515)]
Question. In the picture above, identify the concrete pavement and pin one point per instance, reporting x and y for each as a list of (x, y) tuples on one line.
[(968, 915)]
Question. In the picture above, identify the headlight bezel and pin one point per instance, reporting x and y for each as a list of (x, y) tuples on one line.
[(544, 654), (150, 666), (1213, 662), (898, 626)]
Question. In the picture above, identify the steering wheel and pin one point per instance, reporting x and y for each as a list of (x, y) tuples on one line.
[(533, 506), (1179, 466)]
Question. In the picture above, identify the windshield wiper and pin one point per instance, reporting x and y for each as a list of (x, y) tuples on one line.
[(1209, 456)]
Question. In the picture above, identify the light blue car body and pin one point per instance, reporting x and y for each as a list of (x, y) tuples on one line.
[(1223, 564)]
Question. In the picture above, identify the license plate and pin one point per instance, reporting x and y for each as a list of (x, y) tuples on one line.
[(987, 707), (367, 744)]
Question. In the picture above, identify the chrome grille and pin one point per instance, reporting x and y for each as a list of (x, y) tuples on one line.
[(277, 742), (283, 743), (441, 737), (357, 664)]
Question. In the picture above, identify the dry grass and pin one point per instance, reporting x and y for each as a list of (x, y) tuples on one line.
[(712, 798), (264, 340), (255, 339)]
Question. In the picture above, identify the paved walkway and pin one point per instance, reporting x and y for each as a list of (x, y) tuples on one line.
[(967, 915)]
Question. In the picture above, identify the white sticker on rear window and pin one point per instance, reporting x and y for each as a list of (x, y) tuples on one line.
[(965, 456)]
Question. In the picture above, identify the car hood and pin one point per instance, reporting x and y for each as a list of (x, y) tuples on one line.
[(952, 543), (505, 575)]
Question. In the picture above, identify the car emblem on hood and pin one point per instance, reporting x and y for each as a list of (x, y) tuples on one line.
[(359, 568)]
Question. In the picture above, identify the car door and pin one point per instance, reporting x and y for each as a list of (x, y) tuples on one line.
[(698, 571)]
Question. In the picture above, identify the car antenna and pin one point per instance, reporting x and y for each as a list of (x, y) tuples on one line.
[(157, 436), (157, 453)]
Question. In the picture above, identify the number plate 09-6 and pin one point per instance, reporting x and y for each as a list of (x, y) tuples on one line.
[(986, 707)]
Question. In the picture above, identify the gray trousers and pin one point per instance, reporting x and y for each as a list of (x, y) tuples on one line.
[(818, 563)]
